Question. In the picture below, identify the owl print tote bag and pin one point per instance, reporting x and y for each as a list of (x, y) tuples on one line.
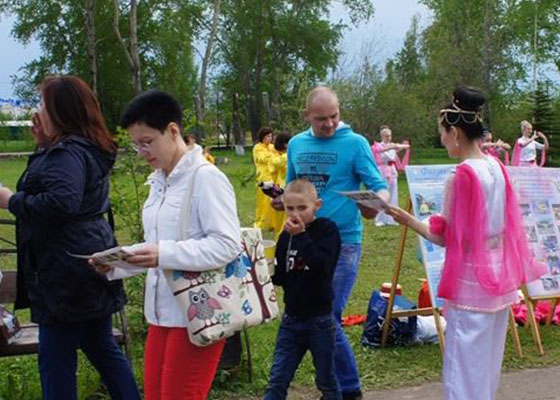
[(219, 302)]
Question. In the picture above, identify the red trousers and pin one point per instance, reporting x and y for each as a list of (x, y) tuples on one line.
[(176, 369)]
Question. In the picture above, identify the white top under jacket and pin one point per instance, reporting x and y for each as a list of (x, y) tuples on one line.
[(213, 231)]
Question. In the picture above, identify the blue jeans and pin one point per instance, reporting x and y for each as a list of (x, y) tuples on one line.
[(295, 337), (343, 281), (58, 345)]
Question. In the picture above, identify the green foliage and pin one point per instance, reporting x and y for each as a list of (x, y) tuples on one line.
[(545, 119), (166, 30), (277, 46), (128, 189), (486, 44)]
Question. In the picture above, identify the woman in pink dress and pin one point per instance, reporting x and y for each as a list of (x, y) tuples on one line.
[(389, 163), (487, 256)]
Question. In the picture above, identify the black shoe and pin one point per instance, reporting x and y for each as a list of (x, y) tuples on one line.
[(352, 395)]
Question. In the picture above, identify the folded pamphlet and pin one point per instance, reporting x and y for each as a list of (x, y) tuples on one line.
[(367, 198), (115, 257)]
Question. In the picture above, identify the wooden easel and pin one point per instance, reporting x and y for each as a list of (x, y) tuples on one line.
[(530, 303), (435, 311), (390, 314)]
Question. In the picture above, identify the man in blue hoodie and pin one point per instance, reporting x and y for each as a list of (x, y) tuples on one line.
[(334, 158)]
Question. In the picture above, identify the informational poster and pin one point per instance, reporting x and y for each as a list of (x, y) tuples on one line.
[(425, 184), (538, 191)]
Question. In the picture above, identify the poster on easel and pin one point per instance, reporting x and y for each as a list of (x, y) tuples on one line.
[(538, 191), (425, 185)]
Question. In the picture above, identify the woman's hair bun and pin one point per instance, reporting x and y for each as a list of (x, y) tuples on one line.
[(468, 99)]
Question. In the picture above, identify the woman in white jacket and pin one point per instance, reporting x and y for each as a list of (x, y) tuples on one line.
[(174, 367)]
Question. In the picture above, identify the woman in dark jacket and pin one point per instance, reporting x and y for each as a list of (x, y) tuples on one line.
[(59, 206)]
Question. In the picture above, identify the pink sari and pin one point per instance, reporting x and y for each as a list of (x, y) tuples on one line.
[(482, 273)]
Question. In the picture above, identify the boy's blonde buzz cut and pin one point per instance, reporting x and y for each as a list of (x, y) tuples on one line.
[(302, 186)]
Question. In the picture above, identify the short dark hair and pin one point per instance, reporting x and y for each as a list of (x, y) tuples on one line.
[(264, 131), (154, 108), (281, 141)]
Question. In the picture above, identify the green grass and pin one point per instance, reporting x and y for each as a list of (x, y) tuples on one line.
[(387, 368), (14, 146)]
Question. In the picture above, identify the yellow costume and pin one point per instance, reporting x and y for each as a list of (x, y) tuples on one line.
[(209, 157), (261, 155), (277, 166)]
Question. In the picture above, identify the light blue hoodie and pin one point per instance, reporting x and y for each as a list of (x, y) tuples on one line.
[(337, 163)]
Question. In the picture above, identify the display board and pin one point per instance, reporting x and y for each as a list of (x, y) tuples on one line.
[(538, 191), (425, 186)]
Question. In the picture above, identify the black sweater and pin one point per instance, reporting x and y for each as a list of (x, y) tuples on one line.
[(305, 268)]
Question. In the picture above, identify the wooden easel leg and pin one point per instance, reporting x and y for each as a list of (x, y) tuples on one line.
[(394, 281), (553, 304), (440, 333), (515, 334), (532, 321)]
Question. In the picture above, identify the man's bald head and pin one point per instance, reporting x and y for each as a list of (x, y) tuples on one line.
[(320, 94), (322, 111)]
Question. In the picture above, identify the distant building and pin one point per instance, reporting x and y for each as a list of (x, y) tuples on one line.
[(16, 109)]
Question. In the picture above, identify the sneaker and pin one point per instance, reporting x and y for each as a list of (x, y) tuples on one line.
[(379, 224), (352, 395)]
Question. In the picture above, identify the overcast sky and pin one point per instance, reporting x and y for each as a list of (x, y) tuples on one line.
[(382, 37)]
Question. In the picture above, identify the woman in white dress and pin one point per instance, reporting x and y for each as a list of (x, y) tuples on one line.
[(525, 151)]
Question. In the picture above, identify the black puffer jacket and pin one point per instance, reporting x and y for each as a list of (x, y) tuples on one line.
[(59, 207)]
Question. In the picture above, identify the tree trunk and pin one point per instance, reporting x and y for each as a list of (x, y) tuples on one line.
[(208, 57), (238, 137), (258, 75), (487, 59), (92, 54), (132, 56), (134, 48), (199, 132), (266, 106), (252, 117)]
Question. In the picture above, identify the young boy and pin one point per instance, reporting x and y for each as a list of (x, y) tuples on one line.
[(306, 255)]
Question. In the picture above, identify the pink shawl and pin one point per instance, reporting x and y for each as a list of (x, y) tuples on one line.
[(517, 155), (496, 154), (466, 236), (401, 164)]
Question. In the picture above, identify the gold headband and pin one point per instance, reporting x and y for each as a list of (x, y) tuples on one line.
[(468, 117)]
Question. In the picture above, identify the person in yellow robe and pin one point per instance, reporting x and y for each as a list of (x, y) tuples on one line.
[(209, 157), (277, 165), (262, 152)]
